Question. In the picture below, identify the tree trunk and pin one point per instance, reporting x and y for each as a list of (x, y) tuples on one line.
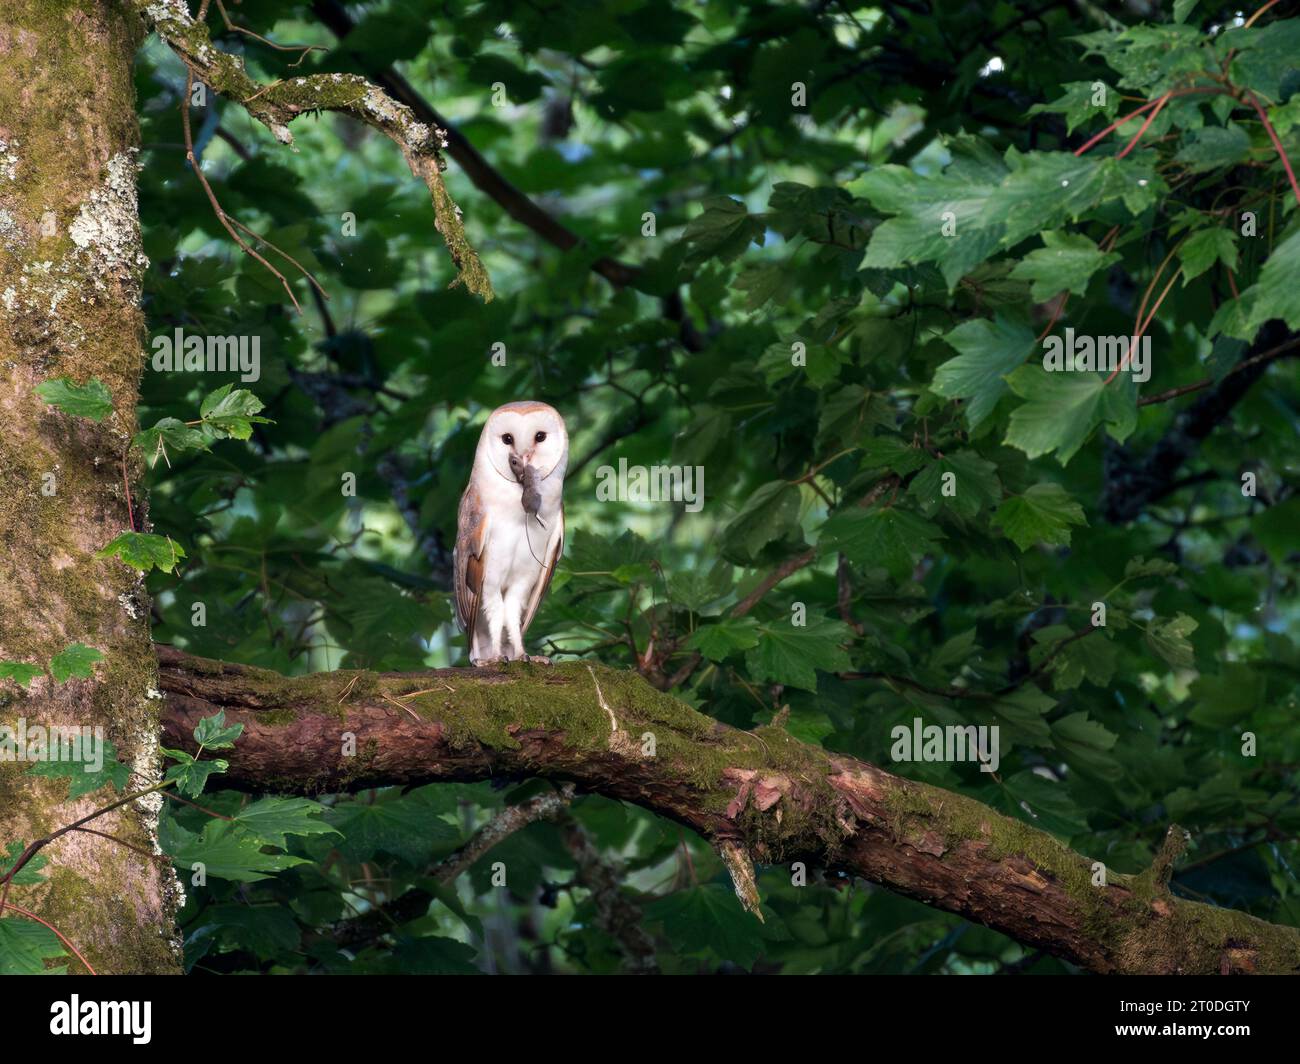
[(759, 793), (70, 269)]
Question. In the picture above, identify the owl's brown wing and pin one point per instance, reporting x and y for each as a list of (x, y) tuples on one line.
[(468, 559), (554, 548)]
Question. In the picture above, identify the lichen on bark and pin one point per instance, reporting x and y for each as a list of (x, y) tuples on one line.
[(71, 260)]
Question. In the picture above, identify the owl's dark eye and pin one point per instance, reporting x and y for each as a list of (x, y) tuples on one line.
[(540, 437), (508, 440)]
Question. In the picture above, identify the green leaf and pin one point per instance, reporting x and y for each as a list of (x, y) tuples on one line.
[(271, 819), (402, 825), (19, 671), (700, 591), (1043, 514), (769, 514), (1046, 189), (710, 917), (1206, 247), (962, 482), (884, 536), (91, 399), (727, 635), (1183, 8), (1064, 408), (76, 659), (26, 946), (192, 776), (989, 350), (1065, 263), (1169, 640), (1077, 104), (30, 872), (1090, 658), (1229, 697), (1275, 294), (891, 453), (1213, 147), (940, 219), (1086, 743), (849, 413), (226, 851), (1275, 528), (763, 283), (792, 655), (212, 733), (144, 551), (82, 777), (1138, 567), (434, 955), (170, 434), (723, 231), (231, 413), (1264, 56)]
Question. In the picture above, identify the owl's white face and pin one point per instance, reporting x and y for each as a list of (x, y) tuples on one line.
[(533, 432)]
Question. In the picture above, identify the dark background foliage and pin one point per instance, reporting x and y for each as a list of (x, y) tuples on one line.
[(774, 224)]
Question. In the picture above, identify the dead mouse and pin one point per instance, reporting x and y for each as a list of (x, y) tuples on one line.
[(528, 477)]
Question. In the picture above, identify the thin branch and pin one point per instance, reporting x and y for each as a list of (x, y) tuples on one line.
[(278, 104)]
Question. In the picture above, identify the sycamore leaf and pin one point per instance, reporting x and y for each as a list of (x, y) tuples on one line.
[(212, 733), (1063, 408), (723, 231), (1169, 640), (791, 655), (728, 634), (1213, 147), (962, 482), (1078, 104), (709, 916), (1275, 294), (231, 413), (144, 551), (768, 515), (940, 219), (191, 776), (1139, 567), (82, 776), (26, 946), (271, 819), (76, 659), (170, 434), (30, 872), (1264, 56), (19, 671), (1087, 744), (989, 350), (1065, 263), (1043, 514), (884, 536), (91, 400), (226, 850), (1206, 247)]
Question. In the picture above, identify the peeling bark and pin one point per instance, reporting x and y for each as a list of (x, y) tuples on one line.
[(70, 265), (761, 794)]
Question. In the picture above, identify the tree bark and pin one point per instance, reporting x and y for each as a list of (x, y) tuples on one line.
[(70, 266), (758, 795)]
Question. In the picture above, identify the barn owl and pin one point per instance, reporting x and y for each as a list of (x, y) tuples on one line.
[(510, 531)]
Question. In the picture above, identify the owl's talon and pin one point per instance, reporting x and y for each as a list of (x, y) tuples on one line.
[(537, 659), (485, 663)]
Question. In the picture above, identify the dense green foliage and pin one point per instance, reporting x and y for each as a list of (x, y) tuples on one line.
[(913, 226)]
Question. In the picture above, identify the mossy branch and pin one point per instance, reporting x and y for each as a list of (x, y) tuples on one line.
[(756, 796), (278, 104)]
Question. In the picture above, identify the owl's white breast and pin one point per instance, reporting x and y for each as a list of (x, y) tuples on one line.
[(513, 556)]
